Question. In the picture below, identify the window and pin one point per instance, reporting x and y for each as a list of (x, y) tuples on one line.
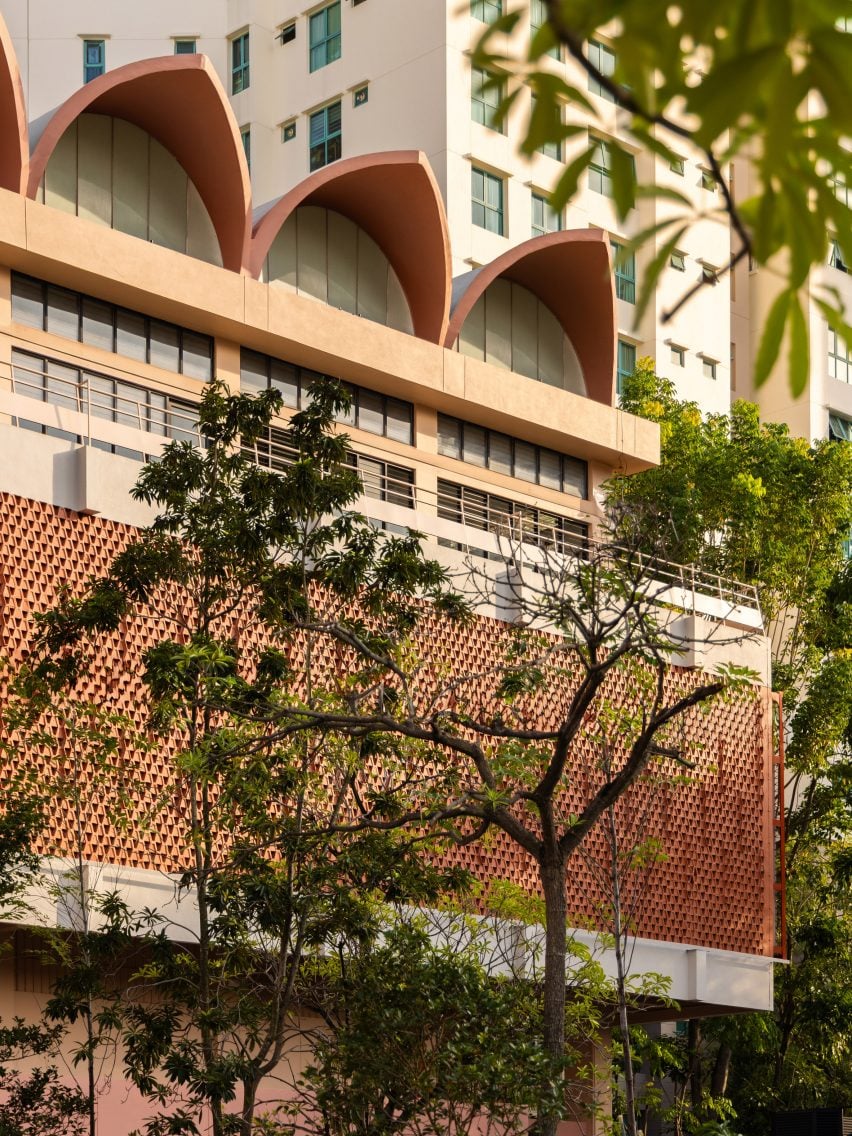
[(324, 36), (708, 181), (625, 273), (600, 169), (492, 450), (839, 359), (94, 59), (678, 261), (486, 10), (602, 58), (485, 99), (836, 258), (544, 218), (677, 166), (326, 142), (385, 481), (678, 355), (185, 47), (708, 274), (708, 367), (625, 363), (839, 429), (288, 131), (487, 200), (841, 189), (733, 366), (538, 18), (509, 520), (376, 413), (86, 320), (245, 138), (240, 63), (360, 96), (551, 149), (287, 34), (113, 400)]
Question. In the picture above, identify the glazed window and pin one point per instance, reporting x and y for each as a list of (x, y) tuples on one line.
[(369, 410), (324, 36), (94, 59), (487, 200), (326, 136), (240, 73), (87, 320), (504, 454), (544, 218)]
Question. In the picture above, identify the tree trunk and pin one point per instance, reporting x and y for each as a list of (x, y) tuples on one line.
[(552, 874), (721, 1071), (693, 1044)]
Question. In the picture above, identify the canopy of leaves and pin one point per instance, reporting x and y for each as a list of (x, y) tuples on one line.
[(766, 82)]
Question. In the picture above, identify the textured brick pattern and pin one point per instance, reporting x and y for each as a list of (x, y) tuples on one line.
[(713, 888)]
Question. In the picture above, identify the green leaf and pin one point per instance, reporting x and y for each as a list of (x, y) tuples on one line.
[(729, 90), (623, 179), (566, 187), (652, 273), (799, 355), (770, 340)]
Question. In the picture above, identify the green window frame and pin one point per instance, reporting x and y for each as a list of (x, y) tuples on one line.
[(245, 138), (240, 70), (325, 136), (603, 59), (836, 258), (94, 59), (486, 10), (839, 428), (544, 219), (624, 269), (625, 363), (186, 46), (324, 36), (485, 97), (486, 191)]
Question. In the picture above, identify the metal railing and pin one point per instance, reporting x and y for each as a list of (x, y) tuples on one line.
[(450, 518), (89, 394)]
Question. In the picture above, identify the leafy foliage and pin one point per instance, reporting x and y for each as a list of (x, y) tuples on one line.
[(767, 85)]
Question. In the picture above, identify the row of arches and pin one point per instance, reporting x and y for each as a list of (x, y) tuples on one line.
[(367, 234)]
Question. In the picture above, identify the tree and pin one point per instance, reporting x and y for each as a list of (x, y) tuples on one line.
[(315, 710), (229, 565), (745, 498), (420, 1034), (33, 1099), (765, 84)]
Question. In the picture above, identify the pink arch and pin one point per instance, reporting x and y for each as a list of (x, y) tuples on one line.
[(15, 148), (394, 197), (170, 98), (571, 273)]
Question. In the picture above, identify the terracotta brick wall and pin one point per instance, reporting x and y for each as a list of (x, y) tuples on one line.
[(712, 889)]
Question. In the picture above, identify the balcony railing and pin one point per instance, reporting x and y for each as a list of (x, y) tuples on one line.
[(471, 521)]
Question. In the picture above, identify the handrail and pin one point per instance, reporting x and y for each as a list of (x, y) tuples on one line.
[(534, 526)]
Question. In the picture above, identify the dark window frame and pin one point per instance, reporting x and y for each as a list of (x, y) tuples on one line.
[(304, 377), (114, 310), (449, 421)]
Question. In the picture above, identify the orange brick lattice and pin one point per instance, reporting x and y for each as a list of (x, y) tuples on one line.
[(713, 889)]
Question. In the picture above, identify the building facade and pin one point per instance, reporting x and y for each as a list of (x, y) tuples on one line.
[(402, 253)]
